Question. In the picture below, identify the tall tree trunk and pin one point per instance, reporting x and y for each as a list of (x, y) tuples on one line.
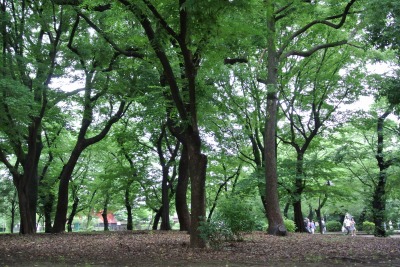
[(379, 196), (62, 203), (181, 205), (184, 100), (197, 172), (27, 183), (298, 220), (165, 225), (273, 212), (379, 205)]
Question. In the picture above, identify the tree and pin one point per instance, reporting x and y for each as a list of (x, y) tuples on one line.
[(275, 53), (97, 69), (382, 24), (310, 105), (391, 93), (383, 33), (9, 201), (32, 35)]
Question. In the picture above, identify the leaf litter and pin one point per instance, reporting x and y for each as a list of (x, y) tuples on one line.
[(171, 248)]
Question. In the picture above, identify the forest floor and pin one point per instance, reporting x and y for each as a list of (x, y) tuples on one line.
[(157, 248)]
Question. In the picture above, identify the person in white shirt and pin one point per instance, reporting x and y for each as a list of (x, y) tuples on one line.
[(347, 224)]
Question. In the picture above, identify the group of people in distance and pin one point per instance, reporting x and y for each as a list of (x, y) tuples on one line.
[(311, 225), (349, 225)]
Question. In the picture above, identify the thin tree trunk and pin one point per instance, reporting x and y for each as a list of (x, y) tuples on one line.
[(73, 213), (128, 206), (104, 213), (157, 218), (13, 211), (286, 210), (318, 212), (48, 208), (297, 194), (165, 225), (222, 186)]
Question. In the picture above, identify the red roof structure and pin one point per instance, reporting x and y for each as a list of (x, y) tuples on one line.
[(110, 217)]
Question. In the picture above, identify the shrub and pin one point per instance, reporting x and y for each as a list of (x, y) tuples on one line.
[(333, 226), (368, 227), (290, 225), (214, 233), (237, 214)]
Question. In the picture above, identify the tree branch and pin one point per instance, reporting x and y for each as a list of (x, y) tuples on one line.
[(128, 52), (325, 21), (162, 21), (108, 125), (314, 49), (99, 8), (232, 61)]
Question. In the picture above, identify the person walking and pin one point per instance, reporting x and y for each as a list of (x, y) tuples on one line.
[(307, 225), (347, 224), (312, 226), (352, 227), (323, 226)]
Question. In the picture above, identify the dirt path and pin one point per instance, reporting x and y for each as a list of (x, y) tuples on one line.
[(171, 249)]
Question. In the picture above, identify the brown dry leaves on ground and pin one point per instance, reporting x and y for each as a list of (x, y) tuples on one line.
[(155, 248)]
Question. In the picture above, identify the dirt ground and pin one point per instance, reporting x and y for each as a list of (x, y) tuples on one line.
[(155, 248)]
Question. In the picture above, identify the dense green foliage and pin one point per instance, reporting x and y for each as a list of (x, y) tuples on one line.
[(368, 227), (137, 108), (334, 226)]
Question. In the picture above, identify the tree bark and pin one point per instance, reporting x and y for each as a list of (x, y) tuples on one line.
[(128, 206), (318, 212), (48, 209), (273, 213), (197, 172), (184, 99), (104, 213), (165, 225), (72, 214), (13, 211), (157, 218), (62, 203), (297, 194), (379, 196), (181, 205), (166, 180)]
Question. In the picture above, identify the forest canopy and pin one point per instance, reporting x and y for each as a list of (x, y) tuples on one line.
[(249, 114)]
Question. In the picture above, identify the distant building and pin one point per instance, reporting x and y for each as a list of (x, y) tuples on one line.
[(113, 224)]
